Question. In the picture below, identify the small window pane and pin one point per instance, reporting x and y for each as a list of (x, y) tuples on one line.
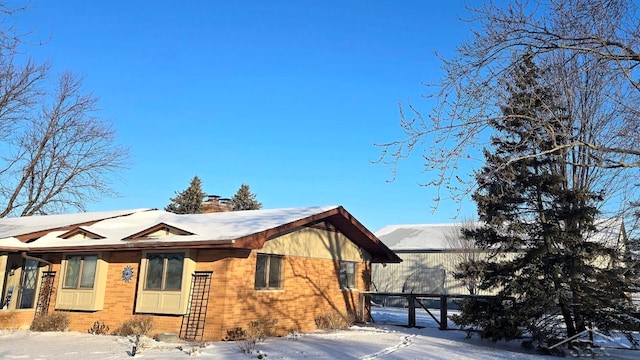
[(88, 271), (347, 275), (274, 271), (351, 282), (174, 272), (261, 272), (72, 271), (154, 272)]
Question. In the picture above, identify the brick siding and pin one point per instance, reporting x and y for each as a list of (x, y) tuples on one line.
[(310, 289)]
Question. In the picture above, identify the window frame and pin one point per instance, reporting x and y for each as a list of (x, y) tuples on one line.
[(349, 281), (165, 270), (82, 298), (169, 302), (267, 280), (80, 275)]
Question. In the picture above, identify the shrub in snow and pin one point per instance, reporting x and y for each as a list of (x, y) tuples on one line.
[(236, 334), (99, 328), (248, 345), (262, 328), (55, 321), (258, 331), (335, 320), (137, 325)]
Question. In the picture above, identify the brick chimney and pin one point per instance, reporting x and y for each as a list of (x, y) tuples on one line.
[(215, 203)]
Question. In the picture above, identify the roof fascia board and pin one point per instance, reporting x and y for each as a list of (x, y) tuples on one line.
[(142, 245), (141, 235)]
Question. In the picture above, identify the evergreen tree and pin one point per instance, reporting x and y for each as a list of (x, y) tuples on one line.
[(188, 201), (245, 200), (533, 208)]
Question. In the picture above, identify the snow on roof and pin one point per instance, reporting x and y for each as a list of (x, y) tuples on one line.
[(608, 232), (416, 236), (15, 226), (220, 226), (12, 243)]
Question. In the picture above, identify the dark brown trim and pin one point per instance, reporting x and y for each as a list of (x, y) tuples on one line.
[(143, 235), (257, 240), (323, 225), (37, 234), (141, 245), (79, 230), (364, 238), (338, 217)]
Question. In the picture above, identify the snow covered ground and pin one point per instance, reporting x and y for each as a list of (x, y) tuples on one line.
[(380, 340)]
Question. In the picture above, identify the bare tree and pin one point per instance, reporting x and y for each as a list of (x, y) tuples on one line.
[(589, 51), (56, 153), (467, 255)]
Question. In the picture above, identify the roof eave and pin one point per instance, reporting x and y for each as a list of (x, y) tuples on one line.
[(338, 217), (342, 220), (138, 245)]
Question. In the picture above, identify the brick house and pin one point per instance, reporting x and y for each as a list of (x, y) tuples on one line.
[(198, 275)]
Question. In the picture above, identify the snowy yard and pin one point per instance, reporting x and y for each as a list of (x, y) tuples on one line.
[(372, 341)]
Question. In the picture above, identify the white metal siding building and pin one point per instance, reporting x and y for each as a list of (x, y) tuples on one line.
[(430, 259)]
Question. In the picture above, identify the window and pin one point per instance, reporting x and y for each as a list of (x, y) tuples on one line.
[(268, 272), (83, 282), (28, 284), (347, 275), (164, 272), (80, 272), (164, 281)]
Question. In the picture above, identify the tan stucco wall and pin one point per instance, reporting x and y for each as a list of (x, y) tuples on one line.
[(316, 243)]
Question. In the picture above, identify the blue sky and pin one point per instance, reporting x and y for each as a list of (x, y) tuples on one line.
[(288, 97)]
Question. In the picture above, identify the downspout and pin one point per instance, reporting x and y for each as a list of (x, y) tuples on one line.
[(29, 257)]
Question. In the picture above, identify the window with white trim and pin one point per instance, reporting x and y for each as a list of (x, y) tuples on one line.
[(268, 272)]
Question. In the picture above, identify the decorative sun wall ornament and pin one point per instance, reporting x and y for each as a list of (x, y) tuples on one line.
[(127, 273)]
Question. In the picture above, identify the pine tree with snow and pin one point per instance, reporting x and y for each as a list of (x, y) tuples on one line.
[(245, 200), (534, 208), (188, 201)]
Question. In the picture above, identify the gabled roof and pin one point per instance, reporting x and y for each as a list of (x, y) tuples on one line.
[(238, 229), (27, 227), (83, 231), (146, 233)]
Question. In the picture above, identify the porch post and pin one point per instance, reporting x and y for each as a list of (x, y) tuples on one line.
[(443, 312), (412, 310)]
